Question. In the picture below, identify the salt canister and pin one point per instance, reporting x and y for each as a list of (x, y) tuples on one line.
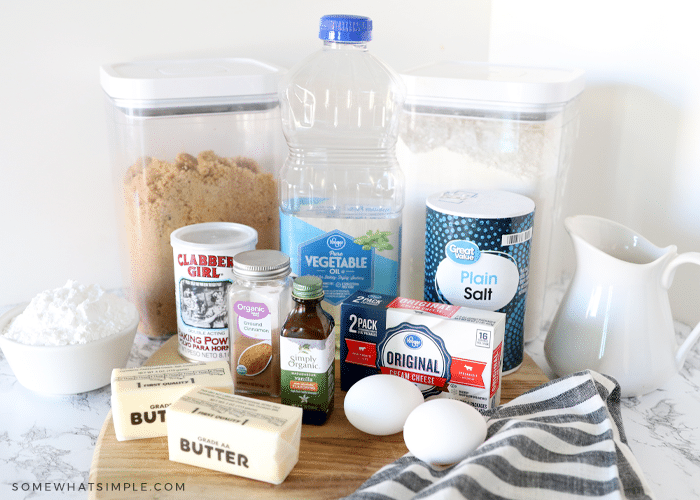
[(477, 254), (203, 260)]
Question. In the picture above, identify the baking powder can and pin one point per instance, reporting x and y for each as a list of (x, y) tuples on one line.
[(203, 261), (477, 254)]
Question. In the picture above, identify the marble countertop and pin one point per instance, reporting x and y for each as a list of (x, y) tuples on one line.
[(46, 443), (662, 427)]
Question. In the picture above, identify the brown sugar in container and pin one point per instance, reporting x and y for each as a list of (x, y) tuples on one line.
[(192, 141)]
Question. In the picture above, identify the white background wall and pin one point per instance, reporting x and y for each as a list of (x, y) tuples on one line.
[(57, 209), (637, 160)]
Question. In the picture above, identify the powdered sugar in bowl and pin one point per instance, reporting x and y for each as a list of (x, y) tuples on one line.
[(68, 340)]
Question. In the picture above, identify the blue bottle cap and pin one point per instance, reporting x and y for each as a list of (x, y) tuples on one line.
[(345, 28)]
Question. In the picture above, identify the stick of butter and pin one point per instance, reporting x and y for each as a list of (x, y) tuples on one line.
[(234, 434), (141, 395)]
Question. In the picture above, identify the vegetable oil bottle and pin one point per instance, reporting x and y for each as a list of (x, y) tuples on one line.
[(341, 188)]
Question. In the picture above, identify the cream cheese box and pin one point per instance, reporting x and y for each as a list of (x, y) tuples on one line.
[(234, 434), (446, 350), (140, 396)]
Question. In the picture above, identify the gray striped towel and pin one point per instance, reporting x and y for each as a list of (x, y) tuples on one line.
[(563, 440)]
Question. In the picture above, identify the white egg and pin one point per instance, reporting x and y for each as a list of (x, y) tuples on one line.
[(379, 404), (444, 431)]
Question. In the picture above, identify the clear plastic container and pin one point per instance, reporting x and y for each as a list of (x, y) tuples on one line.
[(192, 141), (485, 127), (341, 187)]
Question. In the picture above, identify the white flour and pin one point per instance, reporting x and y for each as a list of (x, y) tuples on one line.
[(72, 314), (440, 152)]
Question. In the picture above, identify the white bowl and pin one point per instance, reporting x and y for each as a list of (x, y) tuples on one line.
[(69, 369)]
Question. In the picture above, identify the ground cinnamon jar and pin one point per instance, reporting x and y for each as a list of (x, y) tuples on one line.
[(259, 300), (307, 353)]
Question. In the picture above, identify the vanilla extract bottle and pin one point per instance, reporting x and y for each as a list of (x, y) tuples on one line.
[(307, 353)]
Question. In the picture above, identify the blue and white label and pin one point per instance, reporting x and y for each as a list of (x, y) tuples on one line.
[(347, 254), (488, 283), (481, 263), (417, 354), (342, 264), (462, 252), (412, 341)]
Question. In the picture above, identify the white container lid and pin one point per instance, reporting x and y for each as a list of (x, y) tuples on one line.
[(461, 80), (490, 204), (214, 236), (190, 79)]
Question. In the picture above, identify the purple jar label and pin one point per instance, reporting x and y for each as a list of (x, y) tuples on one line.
[(253, 319), (251, 310)]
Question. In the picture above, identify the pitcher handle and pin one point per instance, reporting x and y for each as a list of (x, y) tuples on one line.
[(666, 280)]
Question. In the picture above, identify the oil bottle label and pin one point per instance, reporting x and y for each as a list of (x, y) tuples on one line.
[(308, 372), (347, 254)]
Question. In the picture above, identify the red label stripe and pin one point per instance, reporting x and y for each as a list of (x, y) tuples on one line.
[(445, 310), (467, 372), (416, 378), (361, 353)]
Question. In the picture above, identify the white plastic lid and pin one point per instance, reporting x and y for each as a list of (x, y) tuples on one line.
[(486, 82), (189, 79), (215, 236), (489, 204)]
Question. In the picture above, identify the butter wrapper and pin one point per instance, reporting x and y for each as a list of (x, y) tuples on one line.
[(234, 434)]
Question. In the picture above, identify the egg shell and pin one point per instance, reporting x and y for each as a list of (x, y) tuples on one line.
[(444, 431), (380, 404)]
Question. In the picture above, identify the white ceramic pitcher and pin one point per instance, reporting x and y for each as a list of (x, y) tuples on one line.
[(615, 317)]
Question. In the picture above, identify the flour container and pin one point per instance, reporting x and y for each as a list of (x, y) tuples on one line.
[(192, 141), (475, 126)]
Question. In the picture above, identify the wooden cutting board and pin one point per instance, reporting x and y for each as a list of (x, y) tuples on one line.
[(334, 459)]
